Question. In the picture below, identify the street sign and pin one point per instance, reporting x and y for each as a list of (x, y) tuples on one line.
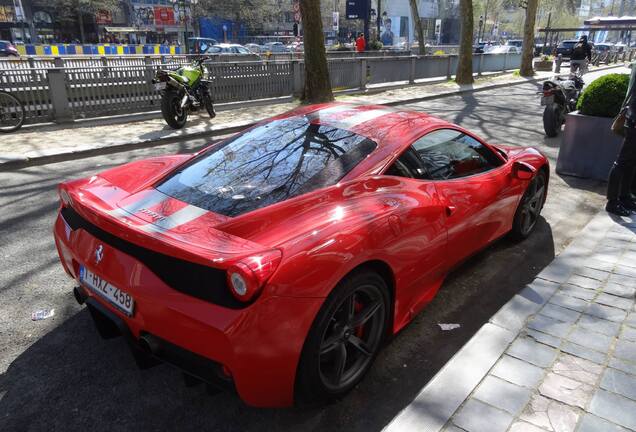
[(358, 9), (336, 21), (438, 26)]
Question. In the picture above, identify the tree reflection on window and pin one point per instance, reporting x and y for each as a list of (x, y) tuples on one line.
[(268, 164)]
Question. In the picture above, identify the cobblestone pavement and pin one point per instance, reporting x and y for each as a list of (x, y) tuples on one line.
[(560, 356), (33, 142)]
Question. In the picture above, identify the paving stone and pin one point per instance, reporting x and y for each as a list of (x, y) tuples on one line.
[(620, 290), (549, 325), (614, 301), (614, 408), (583, 352), (625, 366), (592, 273), (566, 390), (625, 270), (591, 423), (589, 339), (517, 371), (533, 352), (599, 265), (569, 302), (631, 319), (585, 282), (476, 416), (628, 281), (453, 428), (625, 350), (577, 368), (577, 291), (524, 427), (544, 338), (513, 315), (502, 394), (610, 256), (550, 414), (559, 313), (599, 325), (628, 333), (558, 271), (606, 312), (619, 382)]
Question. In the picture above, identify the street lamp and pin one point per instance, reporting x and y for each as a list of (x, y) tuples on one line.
[(182, 6)]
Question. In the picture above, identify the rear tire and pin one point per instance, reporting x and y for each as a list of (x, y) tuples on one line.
[(529, 208), (173, 114), (552, 120), (344, 339), (11, 113)]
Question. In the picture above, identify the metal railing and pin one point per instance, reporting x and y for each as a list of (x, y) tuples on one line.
[(64, 90)]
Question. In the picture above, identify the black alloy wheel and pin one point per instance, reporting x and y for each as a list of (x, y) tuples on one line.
[(530, 207)]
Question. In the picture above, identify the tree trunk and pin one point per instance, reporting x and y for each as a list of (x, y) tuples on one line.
[(465, 63), (527, 51), (418, 26), (317, 85)]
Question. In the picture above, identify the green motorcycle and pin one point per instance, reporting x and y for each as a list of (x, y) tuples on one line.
[(183, 91)]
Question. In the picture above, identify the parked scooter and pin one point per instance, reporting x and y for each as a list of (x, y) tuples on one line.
[(183, 91), (559, 97)]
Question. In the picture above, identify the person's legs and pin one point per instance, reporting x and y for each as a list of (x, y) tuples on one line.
[(622, 176)]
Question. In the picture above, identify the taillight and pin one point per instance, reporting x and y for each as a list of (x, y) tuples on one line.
[(247, 277)]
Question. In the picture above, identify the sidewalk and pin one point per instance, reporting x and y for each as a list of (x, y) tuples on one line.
[(51, 143), (559, 356)]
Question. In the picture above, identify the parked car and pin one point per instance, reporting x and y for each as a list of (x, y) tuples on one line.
[(199, 45), (7, 49), (232, 50), (255, 48), (515, 42), (565, 48), (604, 47), (504, 49), (277, 261), (275, 47)]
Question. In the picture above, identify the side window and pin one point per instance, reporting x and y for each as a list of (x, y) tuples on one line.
[(448, 154)]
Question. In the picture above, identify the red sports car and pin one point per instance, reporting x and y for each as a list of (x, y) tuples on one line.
[(277, 261)]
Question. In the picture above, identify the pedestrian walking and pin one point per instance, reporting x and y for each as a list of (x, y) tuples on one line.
[(620, 199), (581, 55), (361, 44)]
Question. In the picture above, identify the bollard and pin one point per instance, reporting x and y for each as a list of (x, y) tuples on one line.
[(557, 64)]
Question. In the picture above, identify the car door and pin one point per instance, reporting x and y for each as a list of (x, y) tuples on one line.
[(475, 186)]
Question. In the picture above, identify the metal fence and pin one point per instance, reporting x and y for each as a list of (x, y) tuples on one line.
[(63, 90)]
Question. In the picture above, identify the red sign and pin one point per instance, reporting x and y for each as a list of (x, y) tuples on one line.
[(103, 17), (164, 16)]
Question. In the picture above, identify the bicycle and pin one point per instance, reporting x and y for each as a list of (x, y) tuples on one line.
[(11, 112)]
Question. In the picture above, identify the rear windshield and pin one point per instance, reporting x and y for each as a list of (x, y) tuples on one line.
[(567, 44), (268, 164), (3, 44)]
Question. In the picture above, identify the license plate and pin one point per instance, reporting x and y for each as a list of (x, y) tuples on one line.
[(160, 86), (118, 298), (547, 100)]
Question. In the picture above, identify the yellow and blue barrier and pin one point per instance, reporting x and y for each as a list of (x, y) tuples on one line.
[(97, 49)]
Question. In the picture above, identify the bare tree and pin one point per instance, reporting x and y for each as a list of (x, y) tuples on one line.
[(418, 26), (527, 52), (317, 84), (465, 63)]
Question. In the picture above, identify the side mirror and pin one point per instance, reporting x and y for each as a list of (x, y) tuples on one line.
[(523, 170)]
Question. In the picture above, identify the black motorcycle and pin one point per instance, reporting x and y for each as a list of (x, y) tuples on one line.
[(559, 96), (183, 90)]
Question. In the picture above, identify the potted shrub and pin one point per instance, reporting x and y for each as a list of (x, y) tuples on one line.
[(589, 147), (545, 63)]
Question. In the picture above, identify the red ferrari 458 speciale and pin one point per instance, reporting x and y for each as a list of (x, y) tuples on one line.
[(276, 262)]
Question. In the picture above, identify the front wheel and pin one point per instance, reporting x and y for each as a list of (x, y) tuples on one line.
[(344, 339), (171, 110), (11, 113), (530, 207), (552, 120)]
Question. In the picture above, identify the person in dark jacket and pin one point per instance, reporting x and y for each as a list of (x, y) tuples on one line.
[(620, 200), (581, 55)]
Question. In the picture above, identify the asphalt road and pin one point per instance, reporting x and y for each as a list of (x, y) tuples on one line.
[(57, 374)]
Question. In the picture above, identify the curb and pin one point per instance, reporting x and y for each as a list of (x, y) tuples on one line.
[(441, 397), (19, 163)]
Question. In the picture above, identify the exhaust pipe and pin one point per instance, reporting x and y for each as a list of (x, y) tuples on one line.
[(79, 297), (149, 344)]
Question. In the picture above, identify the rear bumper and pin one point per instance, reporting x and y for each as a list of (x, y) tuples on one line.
[(259, 345)]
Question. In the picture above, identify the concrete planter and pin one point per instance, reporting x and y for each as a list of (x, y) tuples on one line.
[(589, 147), (543, 65)]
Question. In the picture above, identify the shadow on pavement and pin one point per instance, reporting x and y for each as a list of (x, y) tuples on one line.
[(70, 379)]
